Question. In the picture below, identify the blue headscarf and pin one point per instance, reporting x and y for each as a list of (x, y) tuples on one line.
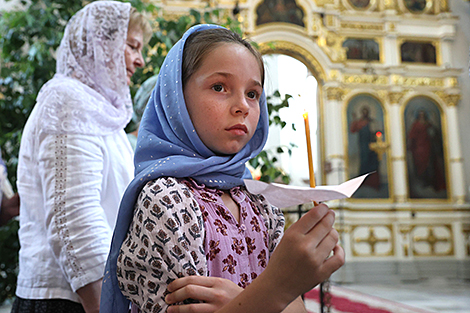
[(168, 145)]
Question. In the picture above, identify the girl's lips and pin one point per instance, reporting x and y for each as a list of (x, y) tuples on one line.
[(238, 129)]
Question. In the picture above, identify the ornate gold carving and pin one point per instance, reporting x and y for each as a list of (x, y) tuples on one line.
[(334, 93), (362, 26), (452, 100), (334, 74), (390, 4), (449, 99), (332, 44), (432, 240), (395, 97), (330, 20), (453, 82), (297, 52), (382, 94), (322, 3), (365, 79), (417, 81), (443, 6)]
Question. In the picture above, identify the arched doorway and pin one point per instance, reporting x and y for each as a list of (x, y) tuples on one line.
[(291, 76)]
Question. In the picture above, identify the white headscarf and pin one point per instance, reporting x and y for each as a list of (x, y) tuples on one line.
[(89, 93)]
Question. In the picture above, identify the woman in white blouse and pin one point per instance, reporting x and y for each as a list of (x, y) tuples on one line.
[(75, 160)]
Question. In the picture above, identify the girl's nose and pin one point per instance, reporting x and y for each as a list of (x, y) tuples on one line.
[(240, 106)]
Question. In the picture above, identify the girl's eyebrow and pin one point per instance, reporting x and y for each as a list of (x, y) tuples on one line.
[(229, 75)]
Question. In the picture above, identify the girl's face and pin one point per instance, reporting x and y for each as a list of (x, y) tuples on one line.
[(133, 51), (222, 98)]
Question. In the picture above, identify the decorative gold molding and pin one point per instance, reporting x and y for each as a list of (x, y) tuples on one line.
[(432, 239), (365, 79), (395, 97), (372, 240), (362, 26), (456, 160), (449, 99), (334, 74), (390, 4), (335, 93), (322, 3), (453, 81), (332, 44), (295, 51), (399, 158), (417, 81)]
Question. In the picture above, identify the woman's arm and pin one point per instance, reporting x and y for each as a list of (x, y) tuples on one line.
[(71, 170)]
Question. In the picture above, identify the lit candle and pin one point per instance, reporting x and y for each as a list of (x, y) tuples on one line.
[(309, 151)]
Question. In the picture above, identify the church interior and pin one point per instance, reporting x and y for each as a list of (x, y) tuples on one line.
[(386, 84)]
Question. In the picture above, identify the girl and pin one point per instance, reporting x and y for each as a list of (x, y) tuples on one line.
[(187, 214)]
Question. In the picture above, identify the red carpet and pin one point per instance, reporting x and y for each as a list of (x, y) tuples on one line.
[(344, 300)]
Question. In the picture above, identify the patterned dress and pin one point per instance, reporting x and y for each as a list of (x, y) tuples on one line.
[(181, 228)]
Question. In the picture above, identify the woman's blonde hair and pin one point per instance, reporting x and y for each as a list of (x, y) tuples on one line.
[(138, 20)]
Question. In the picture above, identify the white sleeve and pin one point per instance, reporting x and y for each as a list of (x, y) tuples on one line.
[(71, 170)]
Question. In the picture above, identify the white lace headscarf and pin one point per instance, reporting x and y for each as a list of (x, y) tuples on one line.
[(89, 93)]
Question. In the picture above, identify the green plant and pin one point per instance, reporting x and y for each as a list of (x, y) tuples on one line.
[(267, 160)]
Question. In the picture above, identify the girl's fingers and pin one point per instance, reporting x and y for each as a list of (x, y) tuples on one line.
[(196, 292), (322, 229), (190, 280), (310, 219), (334, 262)]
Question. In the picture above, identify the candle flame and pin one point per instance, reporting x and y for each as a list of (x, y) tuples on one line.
[(305, 115)]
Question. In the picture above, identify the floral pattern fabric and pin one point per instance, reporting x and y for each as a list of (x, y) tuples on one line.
[(181, 228)]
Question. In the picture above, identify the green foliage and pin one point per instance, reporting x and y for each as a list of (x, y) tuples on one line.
[(267, 160)]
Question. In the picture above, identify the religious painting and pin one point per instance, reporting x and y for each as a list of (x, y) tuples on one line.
[(286, 11), (365, 118), (418, 52), (362, 49), (424, 150), (360, 4), (415, 6)]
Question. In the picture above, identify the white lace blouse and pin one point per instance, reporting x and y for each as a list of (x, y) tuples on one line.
[(70, 187)]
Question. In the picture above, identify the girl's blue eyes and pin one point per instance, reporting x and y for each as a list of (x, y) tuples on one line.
[(250, 94)]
